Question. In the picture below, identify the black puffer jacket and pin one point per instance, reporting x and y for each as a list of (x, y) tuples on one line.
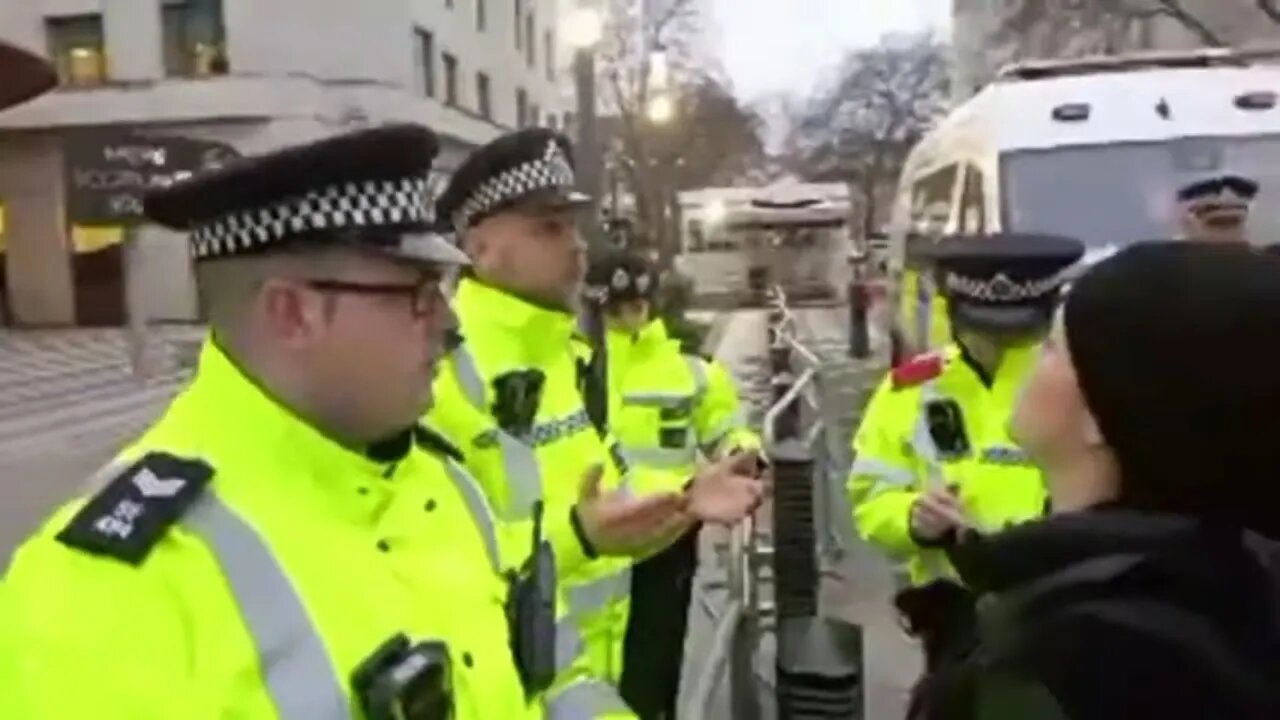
[(1165, 617)]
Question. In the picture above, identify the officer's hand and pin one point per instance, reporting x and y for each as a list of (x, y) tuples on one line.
[(727, 490), (617, 523), (936, 513)]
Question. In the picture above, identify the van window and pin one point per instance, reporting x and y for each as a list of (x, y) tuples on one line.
[(931, 201), (1115, 194), (973, 214)]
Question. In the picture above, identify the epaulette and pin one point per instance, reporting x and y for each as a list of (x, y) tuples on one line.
[(917, 370), (434, 443), (132, 513)]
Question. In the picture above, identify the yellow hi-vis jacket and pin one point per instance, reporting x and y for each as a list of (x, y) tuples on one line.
[(240, 564), (667, 406), (896, 458), (507, 337)]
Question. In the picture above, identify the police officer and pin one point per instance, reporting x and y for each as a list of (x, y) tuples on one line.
[(933, 456), (286, 543), (512, 395), (670, 406), (1216, 208), (670, 402)]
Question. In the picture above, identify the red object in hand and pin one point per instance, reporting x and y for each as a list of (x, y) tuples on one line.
[(917, 370)]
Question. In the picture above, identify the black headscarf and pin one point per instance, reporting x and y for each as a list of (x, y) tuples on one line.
[(1176, 346)]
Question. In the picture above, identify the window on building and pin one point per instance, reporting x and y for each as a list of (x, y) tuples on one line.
[(77, 49), (194, 38), (531, 41), (522, 107), (483, 104), (450, 79), (519, 19), (549, 50), (482, 16), (553, 121), (568, 126), (535, 115), (425, 61)]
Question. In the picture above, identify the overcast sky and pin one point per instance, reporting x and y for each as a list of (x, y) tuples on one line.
[(771, 46)]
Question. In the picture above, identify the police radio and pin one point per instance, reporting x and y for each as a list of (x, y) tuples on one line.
[(400, 681), (531, 613), (594, 376)]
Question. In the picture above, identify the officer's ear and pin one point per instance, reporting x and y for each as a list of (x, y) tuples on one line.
[(293, 313)]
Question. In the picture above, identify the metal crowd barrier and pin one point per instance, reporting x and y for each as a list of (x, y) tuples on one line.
[(774, 576)]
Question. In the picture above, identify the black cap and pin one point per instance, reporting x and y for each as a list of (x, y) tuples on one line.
[(621, 277), (1174, 347), (369, 187), (23, 75), (1008, 282), (526, 167), (1218, 187)]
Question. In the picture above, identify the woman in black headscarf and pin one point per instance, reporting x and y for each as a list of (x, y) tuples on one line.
[(1155, 414)]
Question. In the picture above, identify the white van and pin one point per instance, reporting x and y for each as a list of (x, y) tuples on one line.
[(1093, 149)]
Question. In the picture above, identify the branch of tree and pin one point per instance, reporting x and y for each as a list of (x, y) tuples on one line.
[(1270, 9)]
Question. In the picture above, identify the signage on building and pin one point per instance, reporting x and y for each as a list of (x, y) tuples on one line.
[(108, 171)]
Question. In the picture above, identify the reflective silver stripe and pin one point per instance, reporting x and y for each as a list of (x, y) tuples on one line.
[(593, 596), (469, 377), (699, 373), (298, 673), (932, 561), (481, 513), (887, 477), (656, 399), (519, 460), (568, 645), (662, 458), (585, 700), (524, 477)]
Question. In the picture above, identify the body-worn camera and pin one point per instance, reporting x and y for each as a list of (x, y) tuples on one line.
[(531, 613), (946, 426), (400, 681)]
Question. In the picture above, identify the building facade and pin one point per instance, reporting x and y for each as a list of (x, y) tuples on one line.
[(989, 34), (254, 74)]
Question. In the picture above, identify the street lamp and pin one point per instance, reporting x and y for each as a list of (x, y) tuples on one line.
[(661, 109), (582, 31)]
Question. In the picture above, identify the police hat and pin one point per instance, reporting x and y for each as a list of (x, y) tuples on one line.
[(1215, 187), (23, 75), (621, 277), (368, 189), (1008, 282), (532, 167)]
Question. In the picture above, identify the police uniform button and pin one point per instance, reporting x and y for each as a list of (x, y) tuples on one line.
[(430, 506), (384, 546), (468, 660)]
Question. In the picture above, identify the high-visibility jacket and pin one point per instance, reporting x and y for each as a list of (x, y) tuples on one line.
[(12, 700), (504, 336), (238, 563), (896, 457), (667, 406)]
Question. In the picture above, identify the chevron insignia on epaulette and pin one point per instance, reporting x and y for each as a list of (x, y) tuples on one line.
[(917, 370), (130, 515)]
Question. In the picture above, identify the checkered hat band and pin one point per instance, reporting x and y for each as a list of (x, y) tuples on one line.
[(1001, 289), (365, 204), (528, 177)]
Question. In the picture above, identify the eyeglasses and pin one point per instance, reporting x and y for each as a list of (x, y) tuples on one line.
[(425, 296)]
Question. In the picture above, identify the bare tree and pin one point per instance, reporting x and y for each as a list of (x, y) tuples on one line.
[(861, 128), (1053, 22)]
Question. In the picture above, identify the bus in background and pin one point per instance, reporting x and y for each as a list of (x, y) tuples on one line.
[(1092, 148)]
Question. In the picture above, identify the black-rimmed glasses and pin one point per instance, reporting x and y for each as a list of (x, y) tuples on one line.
[(425, 296)]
